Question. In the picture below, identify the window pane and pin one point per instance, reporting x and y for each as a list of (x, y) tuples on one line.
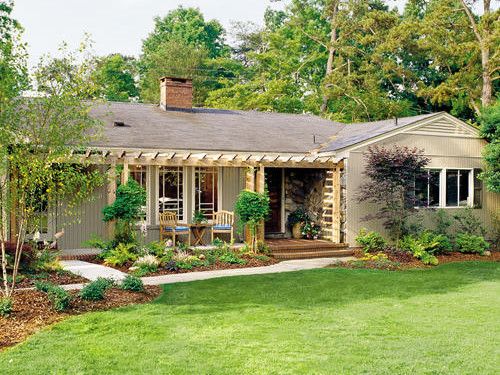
[(421, 189), (434, 188), (206, 190), (464, 188), (452, 187), (171, 191)]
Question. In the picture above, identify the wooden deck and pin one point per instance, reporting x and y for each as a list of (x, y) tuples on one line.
[(303, 249)]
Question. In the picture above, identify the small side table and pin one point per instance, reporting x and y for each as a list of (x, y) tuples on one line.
[(198, 231)]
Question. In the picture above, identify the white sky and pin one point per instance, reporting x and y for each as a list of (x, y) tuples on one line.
[(119, 25)]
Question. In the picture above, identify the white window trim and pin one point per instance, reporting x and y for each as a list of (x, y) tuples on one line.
[(443, 186), (157, 195), (219, 188)]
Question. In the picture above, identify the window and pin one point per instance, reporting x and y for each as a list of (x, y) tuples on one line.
[(457, 188), (170, 197), (139, 174), (478, 189), (427, 189), (448, 188), (205, 190)]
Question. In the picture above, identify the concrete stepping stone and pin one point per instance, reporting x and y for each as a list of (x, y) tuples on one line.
[(91, 271)]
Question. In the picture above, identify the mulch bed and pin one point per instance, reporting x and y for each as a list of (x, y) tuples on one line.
[(56, 277), (32, 311), (250, 262), (399, 260)]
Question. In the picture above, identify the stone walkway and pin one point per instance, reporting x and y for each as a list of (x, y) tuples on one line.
[(92, 271)]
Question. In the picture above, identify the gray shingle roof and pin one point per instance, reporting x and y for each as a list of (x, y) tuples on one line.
[(354, 133), (149, 127)]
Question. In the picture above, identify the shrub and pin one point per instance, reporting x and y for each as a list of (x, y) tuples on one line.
[(418, 249), (311, 231), (297, 216), (96, 290), (231, 258), (132, 283), (435, 243), (251, 208), (172, 266), (148, 261), (467, 222), (27, 254), (120, 255), (469, 243), (370, 241), (5, 306), (157, 248), (46, 260), (59, 297)]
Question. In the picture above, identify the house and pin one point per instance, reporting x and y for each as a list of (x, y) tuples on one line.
[(200, 159)]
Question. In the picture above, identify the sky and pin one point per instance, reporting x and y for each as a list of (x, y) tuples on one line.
[(119, 25)]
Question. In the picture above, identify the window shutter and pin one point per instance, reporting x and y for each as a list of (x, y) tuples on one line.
[(478, 189)]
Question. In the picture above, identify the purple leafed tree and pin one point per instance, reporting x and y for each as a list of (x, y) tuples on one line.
[(390, 185)]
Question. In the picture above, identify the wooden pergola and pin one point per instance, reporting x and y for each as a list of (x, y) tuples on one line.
[(254, 162)]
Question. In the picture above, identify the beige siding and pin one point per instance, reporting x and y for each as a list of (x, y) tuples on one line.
[(87, 219), (444, 152), (82, 222)]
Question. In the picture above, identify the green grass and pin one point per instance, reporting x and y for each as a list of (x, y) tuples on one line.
[(328, 321)]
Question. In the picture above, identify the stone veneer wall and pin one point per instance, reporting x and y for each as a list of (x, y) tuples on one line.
[(304, 188)]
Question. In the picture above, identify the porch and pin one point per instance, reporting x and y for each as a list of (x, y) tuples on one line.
[(209, 182)]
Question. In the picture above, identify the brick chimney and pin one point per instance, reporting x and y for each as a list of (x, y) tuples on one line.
[(176, 93)]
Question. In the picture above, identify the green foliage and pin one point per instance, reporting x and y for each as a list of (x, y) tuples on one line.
[(469, 243), (156, 248), (435, 243), (114, 76), (59, 297), (442, 221), (46, 260), (96, 290), (35, 138), (127, 210), (132, 283), (311, 230), (121, 254), (490, 130), (370, 241), (199, 217), (231, 258), (467, 222), (5, 306), (252, 208), (419, 249), (298, 216)]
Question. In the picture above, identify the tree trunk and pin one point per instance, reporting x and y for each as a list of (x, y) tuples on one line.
[(331, 49), (483, 37)]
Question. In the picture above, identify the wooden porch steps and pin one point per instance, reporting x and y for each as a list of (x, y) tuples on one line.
[(304, 249)]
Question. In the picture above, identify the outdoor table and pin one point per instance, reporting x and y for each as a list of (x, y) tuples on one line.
[(198, 231)]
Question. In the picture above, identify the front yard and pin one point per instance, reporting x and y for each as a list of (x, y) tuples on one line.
[(439, 320)]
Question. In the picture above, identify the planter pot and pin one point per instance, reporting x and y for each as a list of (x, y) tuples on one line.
[(297, 230)]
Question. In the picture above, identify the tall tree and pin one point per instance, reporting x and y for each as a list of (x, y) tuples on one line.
[(34, 153), (184, 44), (490, 130), (487, 33), (115, 78), (13, 67)]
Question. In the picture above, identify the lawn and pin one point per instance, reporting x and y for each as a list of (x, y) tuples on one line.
[(328, 321)]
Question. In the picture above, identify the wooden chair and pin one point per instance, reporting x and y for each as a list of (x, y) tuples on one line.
[(170, 228), (223, 222)]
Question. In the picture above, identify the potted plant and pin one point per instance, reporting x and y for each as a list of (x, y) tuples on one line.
[(296, 221), (310, 230), (199, 217)]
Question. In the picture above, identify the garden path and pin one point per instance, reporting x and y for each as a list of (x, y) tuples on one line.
[(92, 271)]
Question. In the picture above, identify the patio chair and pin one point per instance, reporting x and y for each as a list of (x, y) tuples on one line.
[(223, 222), (170, 228)]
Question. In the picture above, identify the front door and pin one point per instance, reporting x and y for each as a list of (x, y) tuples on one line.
[(274, 181)]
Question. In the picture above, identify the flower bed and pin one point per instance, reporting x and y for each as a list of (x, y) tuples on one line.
[(60, 277), (393, 260), (32, 310)]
